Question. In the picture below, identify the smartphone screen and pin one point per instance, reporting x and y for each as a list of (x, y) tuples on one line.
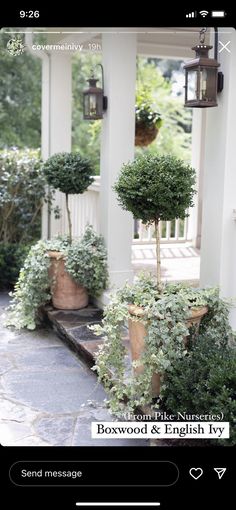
[(117, 260)]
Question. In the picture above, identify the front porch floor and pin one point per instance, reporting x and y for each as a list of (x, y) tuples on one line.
[(179, 262)]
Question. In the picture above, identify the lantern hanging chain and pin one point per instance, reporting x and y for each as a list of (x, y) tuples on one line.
[(202, 35), (92, 71)]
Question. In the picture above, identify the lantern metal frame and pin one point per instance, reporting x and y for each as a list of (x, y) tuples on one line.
[(98, 93), (204, 72)]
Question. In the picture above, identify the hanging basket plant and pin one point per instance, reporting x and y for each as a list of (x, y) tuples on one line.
[(148, 122), (144, 135)]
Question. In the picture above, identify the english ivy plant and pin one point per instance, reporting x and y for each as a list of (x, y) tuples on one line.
[(165, 315), (86, 262)]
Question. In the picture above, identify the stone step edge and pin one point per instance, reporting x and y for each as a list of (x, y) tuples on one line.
[(75, 345)]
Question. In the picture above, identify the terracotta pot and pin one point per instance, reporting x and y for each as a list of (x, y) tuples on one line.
[(144, 135), (138, 332), (66, 293), (195, 319)]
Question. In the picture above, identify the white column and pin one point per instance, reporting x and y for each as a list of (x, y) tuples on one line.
[(218, 254), (45, 124), (197, 162), (117, 147), (56, 122)]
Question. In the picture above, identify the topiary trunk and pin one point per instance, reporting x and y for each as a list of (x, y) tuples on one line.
[(158, 253), (69, 218)]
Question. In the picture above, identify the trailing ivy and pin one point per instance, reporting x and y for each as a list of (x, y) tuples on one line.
[(86, 262), (165, 317), (31, 290)]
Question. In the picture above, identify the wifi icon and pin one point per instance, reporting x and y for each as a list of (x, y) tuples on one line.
[(204, 13)]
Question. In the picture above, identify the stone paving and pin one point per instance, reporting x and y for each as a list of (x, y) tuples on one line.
[(48, 395)]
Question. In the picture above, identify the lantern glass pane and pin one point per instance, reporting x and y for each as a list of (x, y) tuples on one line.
[(86, 105), (192, 85), (211, 85), (203, 84), (92, 104)]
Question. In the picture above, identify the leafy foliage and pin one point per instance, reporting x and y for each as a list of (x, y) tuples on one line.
[(32, 289), (204, 381), (12, 256), (157, 78), (70, 173), (156, 188), (20, 98), (87, 262), (145, 110), (165, 319), (22, 194)]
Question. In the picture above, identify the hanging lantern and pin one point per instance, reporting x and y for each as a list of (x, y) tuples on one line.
[(202, 80), (94, 101)]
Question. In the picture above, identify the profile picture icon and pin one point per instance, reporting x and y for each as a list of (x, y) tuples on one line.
[(15, 46)]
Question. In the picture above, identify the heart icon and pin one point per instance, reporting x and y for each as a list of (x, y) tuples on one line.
[(196, 472)]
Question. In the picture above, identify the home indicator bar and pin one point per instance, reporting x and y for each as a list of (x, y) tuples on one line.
[(102, 504)]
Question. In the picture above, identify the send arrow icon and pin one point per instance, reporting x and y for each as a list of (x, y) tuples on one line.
[(220, 472)]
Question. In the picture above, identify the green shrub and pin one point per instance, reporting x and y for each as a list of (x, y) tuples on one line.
[(156, 188), (204, 382), (68, 172), (22, 185), (12, 256)]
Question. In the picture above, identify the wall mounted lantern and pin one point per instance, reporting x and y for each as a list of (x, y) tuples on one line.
[(202, 79), (94, 101)]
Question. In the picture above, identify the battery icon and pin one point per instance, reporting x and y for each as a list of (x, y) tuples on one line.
[(218, 14)]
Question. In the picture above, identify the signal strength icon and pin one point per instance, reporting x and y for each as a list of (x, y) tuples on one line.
[(204, 13), (191, 15)]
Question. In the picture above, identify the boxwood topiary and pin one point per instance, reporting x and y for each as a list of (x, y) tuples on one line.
[(156, 188), (70, 173)]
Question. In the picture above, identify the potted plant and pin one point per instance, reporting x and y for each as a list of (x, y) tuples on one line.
[(70, 173), (147, 119), (156, 188), (85, 262), (164, 329)]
